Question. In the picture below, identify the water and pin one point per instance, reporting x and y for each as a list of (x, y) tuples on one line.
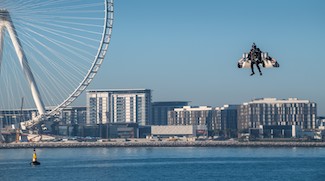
[(164, 164)]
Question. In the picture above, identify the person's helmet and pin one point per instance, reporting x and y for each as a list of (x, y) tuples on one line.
[(254, 46)]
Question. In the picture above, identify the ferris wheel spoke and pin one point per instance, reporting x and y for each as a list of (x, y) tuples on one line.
[(12, 88), (64, 5), (84, 55), (79, 30), (55, 53), (60, 34), (1, 45), (59, 68), (75, 23), (69, 78), (64, 46), (41, 4)]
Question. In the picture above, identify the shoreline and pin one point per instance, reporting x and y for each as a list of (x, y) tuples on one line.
[(159, 144)]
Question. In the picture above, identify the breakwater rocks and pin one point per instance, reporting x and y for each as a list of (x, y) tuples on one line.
[(160, 144)]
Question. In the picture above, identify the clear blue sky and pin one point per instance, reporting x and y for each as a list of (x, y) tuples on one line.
[(187, 50)]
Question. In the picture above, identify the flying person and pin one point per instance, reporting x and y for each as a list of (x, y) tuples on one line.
[(255, 55)]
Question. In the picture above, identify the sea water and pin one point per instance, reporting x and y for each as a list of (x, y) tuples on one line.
[(172, 163)]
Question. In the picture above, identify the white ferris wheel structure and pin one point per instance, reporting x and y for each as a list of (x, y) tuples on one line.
[(50, 51)]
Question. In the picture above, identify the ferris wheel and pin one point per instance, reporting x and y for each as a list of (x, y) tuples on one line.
[(50, 51)]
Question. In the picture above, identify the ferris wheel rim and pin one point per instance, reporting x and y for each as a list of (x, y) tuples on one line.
[(102, 50)]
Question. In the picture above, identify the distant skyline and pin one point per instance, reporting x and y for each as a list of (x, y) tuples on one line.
[(187, 50)]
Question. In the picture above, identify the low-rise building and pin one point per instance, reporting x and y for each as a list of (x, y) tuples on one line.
[(189, 115), (111, 130), (276, 131), (179, 131), (321, 123), (68, 116)]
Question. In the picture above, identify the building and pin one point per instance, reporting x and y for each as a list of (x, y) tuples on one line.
[(108, 131), (179, 131), (271, 111), (159, 113), (73, 115), (281, 131), (15, 116), (118, 106), (188, 115), (220, 121), (69, 115), (276, 131), (97, 107), (320, 123), (224, 121)]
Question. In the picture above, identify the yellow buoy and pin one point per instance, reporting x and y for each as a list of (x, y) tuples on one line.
[(34, 160)]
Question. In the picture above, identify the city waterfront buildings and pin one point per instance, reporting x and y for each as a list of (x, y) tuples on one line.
[(118, 106), (114, 113)]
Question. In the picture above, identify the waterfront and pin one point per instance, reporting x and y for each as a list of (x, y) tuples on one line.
[(165, 163), (148, 143)]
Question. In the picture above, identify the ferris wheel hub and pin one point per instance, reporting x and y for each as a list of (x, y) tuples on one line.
[(4, 14)]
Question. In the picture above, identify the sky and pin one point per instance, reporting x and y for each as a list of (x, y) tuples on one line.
[(187, 50)]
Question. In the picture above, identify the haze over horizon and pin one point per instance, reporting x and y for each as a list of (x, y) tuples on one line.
[(187, 50)]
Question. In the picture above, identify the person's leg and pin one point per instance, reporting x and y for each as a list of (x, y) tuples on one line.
[(258, 67), (252, 67)]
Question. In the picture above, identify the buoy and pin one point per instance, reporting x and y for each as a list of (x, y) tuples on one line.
[(34, 160)]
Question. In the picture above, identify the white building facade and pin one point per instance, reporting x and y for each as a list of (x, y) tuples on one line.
[(189, 115), (118, 106), (272, 111)]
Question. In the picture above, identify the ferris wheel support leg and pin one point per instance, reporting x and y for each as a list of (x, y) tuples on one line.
[(25, 66)]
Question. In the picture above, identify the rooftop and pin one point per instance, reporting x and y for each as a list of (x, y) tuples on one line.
[(116, 90), (277, 101)]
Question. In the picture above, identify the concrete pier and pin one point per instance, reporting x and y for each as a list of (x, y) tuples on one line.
[(159, 144)]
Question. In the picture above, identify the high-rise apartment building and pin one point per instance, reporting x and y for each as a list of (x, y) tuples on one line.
[(271, 111), (118, 106), (159, 113)]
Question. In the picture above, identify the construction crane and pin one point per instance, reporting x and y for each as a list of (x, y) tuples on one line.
[(18, 131)]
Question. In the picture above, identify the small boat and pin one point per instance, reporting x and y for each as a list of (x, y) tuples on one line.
[(34, 160)]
